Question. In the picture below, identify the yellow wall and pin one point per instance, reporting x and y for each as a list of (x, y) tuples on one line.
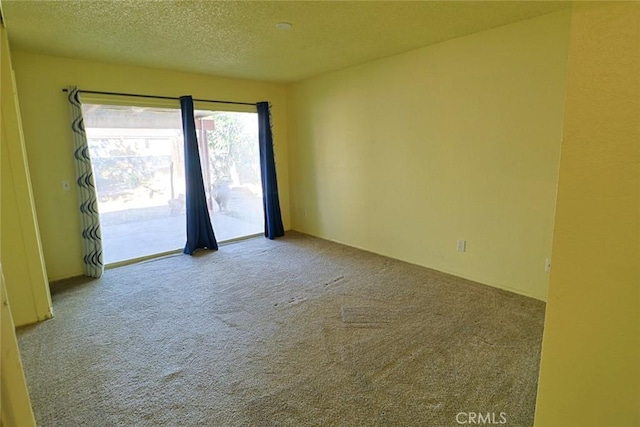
[(459, 140), (45, 115), (14, 402), (22, 258), (590, 370)]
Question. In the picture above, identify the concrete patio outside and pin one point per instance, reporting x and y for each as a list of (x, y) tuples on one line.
[(136, 233)]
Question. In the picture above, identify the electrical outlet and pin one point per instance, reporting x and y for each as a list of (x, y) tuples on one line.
[(66, 186), (304, 213), (461, 245), (547, 265)]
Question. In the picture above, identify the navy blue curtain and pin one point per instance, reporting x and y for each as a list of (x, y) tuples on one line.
[(199, 230), (270, 201)]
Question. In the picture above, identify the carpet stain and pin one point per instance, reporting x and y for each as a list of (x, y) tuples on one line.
[(296, 300), (334, 281)]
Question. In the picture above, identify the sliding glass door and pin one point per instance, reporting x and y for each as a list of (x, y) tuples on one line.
[(138, 161), (230, 158)]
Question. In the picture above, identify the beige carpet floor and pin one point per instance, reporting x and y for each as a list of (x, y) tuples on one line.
[(293, 332)]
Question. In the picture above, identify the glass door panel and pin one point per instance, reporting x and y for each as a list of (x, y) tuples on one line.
[(138, 163)]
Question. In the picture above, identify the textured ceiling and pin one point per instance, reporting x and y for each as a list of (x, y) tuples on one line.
[(239, 39)]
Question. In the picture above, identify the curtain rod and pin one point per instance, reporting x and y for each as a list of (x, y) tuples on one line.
[(160, 97)]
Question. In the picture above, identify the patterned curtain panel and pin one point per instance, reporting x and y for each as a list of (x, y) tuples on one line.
[(87, 197)]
